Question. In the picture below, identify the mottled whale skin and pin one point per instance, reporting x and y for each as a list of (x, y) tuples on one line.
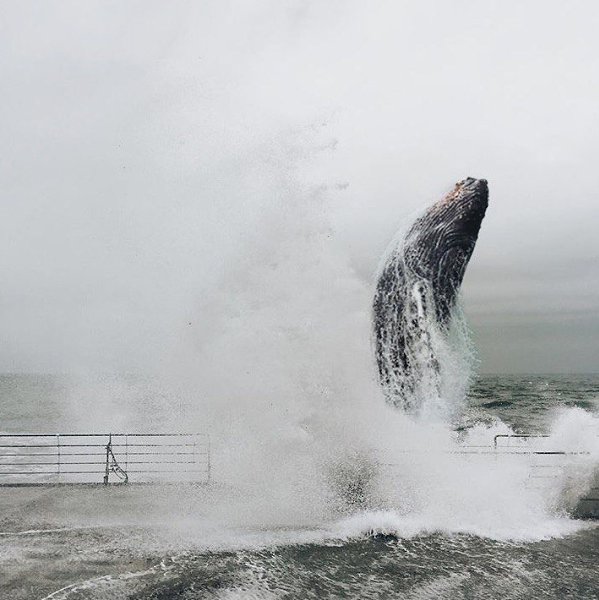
[(417, 288)]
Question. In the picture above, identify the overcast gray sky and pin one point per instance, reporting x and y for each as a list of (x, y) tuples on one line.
[(148, 149)]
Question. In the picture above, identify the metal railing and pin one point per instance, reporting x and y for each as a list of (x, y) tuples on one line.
[(499, 450), (510, 436), (526, 448), (72, 458)]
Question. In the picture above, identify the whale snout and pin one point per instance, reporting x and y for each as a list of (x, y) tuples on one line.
[(471, 180), (468, 196), (475, 192), (461, 212), (472, 206), (470, 183)]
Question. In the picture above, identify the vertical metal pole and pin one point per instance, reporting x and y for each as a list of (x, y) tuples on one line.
[(58, 450), (126, 453), (106, 473)]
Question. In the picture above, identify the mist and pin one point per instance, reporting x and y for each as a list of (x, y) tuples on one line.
[(170, 177)]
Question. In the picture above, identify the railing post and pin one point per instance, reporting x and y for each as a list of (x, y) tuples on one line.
[(107, 472), (58, 449)]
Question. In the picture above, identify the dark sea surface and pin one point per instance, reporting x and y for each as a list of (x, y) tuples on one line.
[(180, 543), (529, 402)]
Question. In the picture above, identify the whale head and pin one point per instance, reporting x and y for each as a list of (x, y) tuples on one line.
[(440, 243)]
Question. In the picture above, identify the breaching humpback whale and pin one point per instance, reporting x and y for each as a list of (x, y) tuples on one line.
[(417, 288)]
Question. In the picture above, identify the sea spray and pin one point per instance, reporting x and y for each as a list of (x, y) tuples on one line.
[(276, 366)]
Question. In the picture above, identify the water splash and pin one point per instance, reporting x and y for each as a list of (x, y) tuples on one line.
[(279, 371)]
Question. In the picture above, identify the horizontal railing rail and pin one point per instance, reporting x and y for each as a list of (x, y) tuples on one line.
[(113, 457), (523, 436)]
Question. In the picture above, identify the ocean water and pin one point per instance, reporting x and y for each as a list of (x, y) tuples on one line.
[(416, 521)]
